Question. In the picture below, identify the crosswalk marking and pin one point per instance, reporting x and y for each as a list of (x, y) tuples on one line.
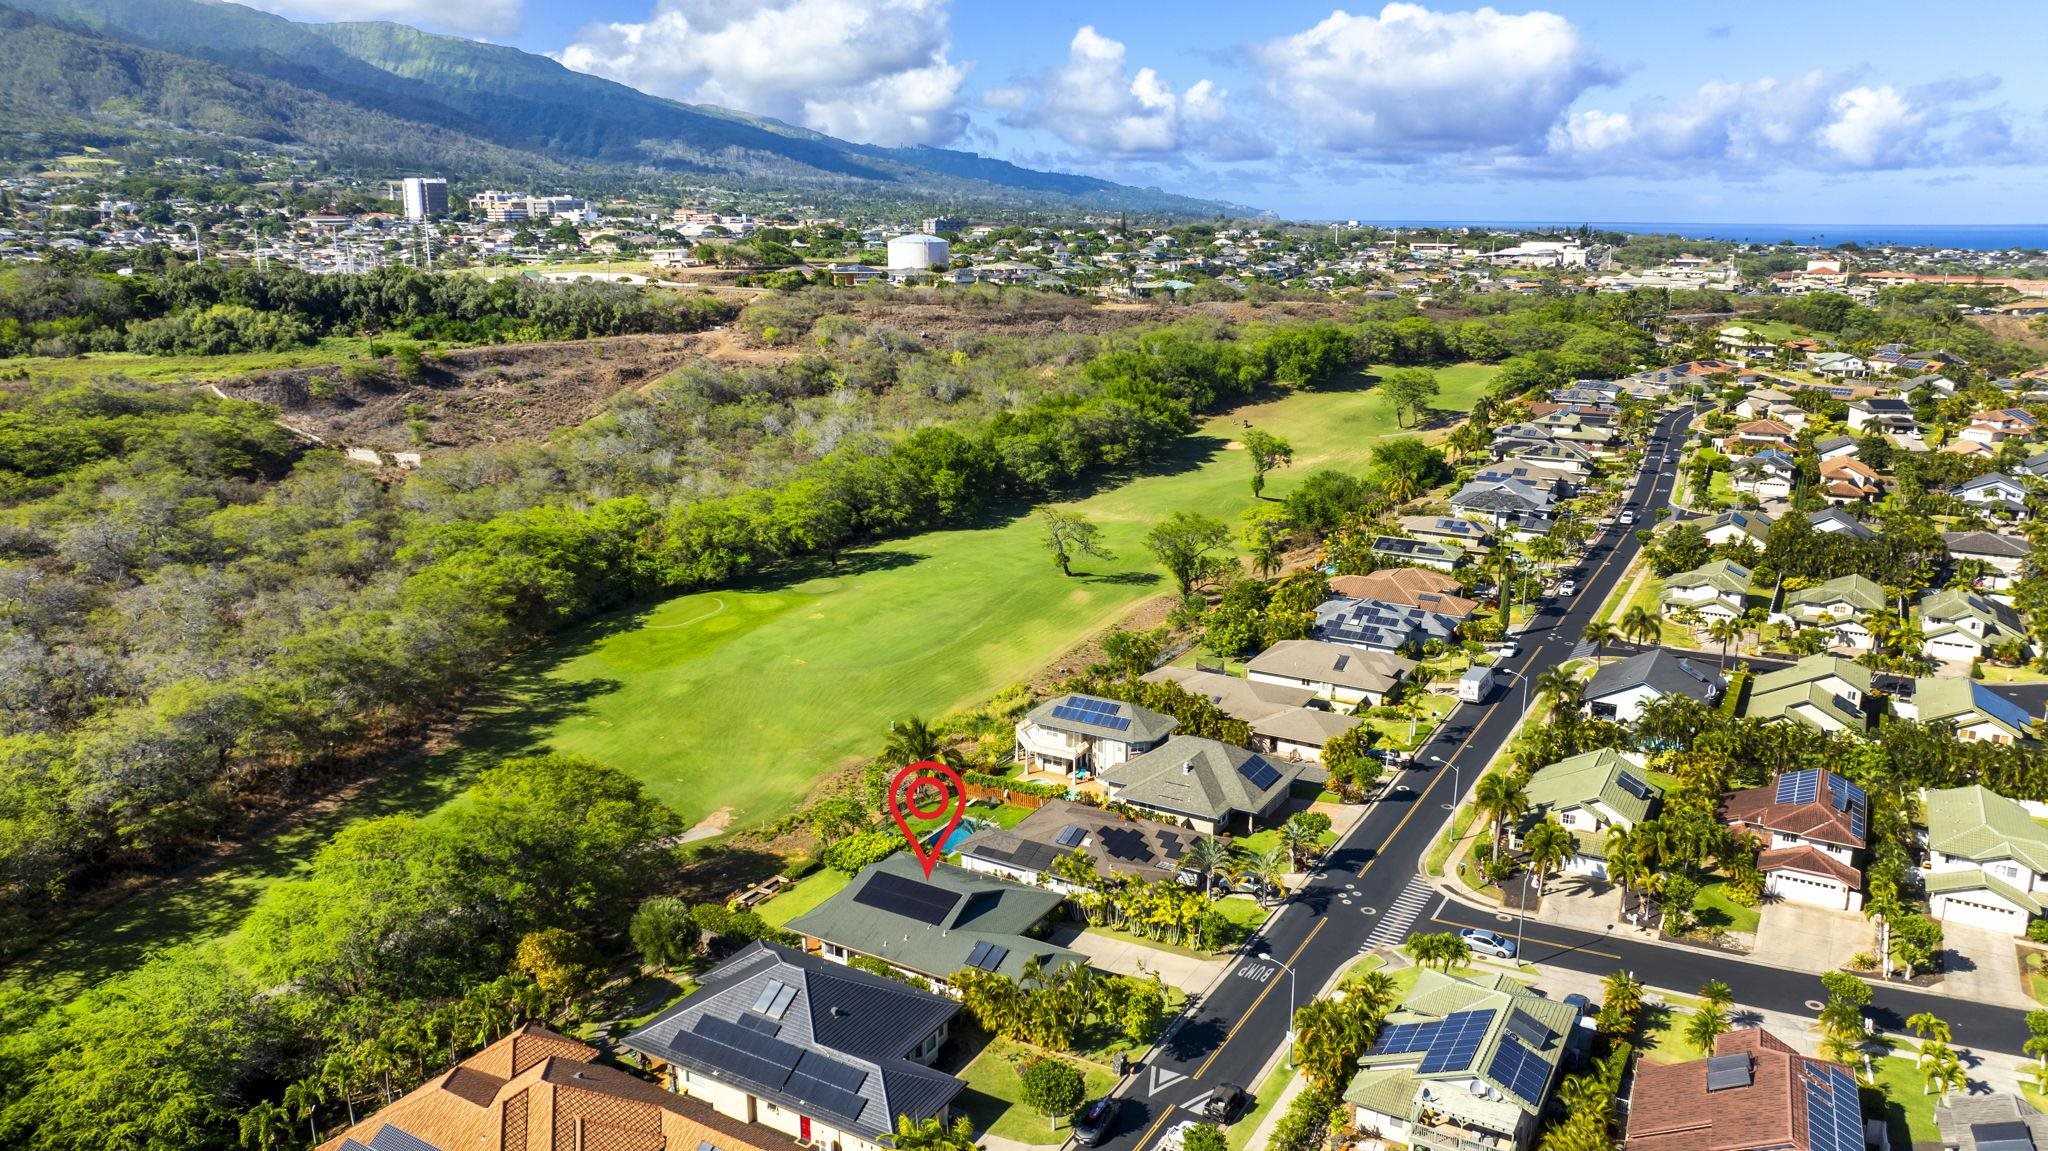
[(1400, 915), (1582, 650)]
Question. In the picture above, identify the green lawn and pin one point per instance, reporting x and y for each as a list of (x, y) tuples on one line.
[(993, 1099), (738, 700), (1440, 851), (1407, 734), (1274, 1085), (806, 894), (1661, 1036), (1908, 1107), (1716, 909), (1244, 913)]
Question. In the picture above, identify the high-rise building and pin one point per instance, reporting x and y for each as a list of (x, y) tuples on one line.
[(424, 197), (933, 225)]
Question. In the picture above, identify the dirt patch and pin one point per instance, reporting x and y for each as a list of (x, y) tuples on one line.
[(711, 825), (2019, 328)]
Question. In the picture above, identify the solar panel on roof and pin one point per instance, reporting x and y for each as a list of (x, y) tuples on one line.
[(1633, 786), (774, 998), (1257, 772), (755, 1022), (1405, 1037), (828, 1085), (906, 897), (987, 956), (1457, 1042), (1845, 794), (1799, 787), (747, 1054), (392, 1138), (1834, 1116), (1528, 1030), (1071, 836), (1726, 1071), (1519, 1070)]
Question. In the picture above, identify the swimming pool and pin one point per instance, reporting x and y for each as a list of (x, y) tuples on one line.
[(960, 835)]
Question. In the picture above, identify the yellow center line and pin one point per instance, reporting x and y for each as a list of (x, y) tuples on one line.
[(1250, 1011)]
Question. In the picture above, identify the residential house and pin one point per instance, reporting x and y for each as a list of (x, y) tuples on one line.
[(1552, 482), (1377, 626), (1571, 459), (1204, 784), (1840, 365), (1997, 1121), (1884, 415), (1462, 1065), (1995, 494), (1744, 344), (1961, 626), (1284, 717), (1842, 607), (2005, 557), (544, 1091), (1835, 448), (1975, 712), (1737, 527), (1502, 503), (1987, 860), (1079, 735), (1421, 553), (1409, 587), (1589, 794), (1847, 480), (1718, 591), (1835, 521), (1758, 403), (2035, 466), (1824, 692), (1994, 426), (1142, 849), (1467, 534), (1620, 690), (1758, 434), (934, 925), (1768, 475), (1754, 1093), (1813, 826), (1338, 673)]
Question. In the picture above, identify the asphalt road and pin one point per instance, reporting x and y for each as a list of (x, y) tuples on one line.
[(1368, 892)]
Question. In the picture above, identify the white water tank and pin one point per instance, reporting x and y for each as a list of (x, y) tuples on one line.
[(917, 252)]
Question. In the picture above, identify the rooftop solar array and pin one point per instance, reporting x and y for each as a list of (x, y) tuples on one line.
[(1456, 1043), (757, 1023), (1633, 786), (1799, 786), (1528, 1030), (1834, 1117), (1071, 836), (987, 956), (1520, 1070), (906, 897), (1088, 709), (831, 1087), (1257, 772), (774, 998), (1726, 1071), (1845, 794)]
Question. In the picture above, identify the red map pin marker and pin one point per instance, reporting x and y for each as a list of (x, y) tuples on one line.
[(903, 792)]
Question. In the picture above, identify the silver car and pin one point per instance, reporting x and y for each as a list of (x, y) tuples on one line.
[(1484, 942)]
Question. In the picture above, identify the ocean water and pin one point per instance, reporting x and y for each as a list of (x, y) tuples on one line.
[(1977, 237)]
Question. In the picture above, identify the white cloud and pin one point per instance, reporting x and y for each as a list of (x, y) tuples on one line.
[(1414, 80), (876, 71), (470, 18), (1095, 103)]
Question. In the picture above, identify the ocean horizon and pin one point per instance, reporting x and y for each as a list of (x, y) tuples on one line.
[(1972, 237)]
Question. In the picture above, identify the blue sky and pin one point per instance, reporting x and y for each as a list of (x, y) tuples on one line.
[(1795, 111)]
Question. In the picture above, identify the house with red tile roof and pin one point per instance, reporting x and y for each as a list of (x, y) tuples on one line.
[(1813, 828), (1755, 1093)]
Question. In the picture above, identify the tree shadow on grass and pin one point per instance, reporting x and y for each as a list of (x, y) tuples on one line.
[(1121, 579)]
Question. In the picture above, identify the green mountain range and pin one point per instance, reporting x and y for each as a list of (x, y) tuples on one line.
[(377, 92)]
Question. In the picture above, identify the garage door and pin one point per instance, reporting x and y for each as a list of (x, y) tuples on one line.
[(1945, 650), (1802, 889), (1972, 913)]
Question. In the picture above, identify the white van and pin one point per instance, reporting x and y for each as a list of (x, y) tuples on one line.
[(1476, 684)]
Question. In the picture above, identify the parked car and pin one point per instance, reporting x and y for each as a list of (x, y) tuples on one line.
[(1097, 1120), (1176, 1136), (1579, 1003), (1225, 1104), (1508, 650), (1483, 942)]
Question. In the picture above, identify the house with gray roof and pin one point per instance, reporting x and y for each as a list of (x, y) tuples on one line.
[(823, 1053), (1501, 503), (1997, 1121), (1555, 483), (1620, 690), (1467, 534), (1079, 735), (1835, 521), (1995, 494), (1205, 784), (1842, 607), (2004, 557), (1286, 719), (1339, 673), (1987, 859), (1463, 1063), (934, 925), (1377, 625), (1142, 849), (1590, 794), (1835, 448)]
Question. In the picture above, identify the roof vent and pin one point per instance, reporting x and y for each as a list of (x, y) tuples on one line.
[(837, 1012), (1187, 767)]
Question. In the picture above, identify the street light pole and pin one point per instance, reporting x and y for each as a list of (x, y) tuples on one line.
[(1292, 1001)]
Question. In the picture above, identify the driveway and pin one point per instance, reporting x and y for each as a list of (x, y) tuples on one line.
[(1126, 957), (1812, 939), (1581, 902), (1984, 966)]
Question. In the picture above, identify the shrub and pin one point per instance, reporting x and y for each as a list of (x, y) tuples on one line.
[(800, 866), (1053, 1087), (2037, 930), (857, 851), (664, 932)]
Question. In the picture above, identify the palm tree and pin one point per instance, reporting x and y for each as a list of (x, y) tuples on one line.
[(1501, 796), (1641, 624), (265, 1126), (1725, 632), (1622, 992), (1705, 1025), (1205, 857), (1717, 993), (1272, 867), (1298, 837), (1927, 1026), (1328, 1037), (912, 740), (1625, 863), (1562, 686), (1375, 993), (1548, 845), (933, 1134), (302, 1099), (1600, 633)]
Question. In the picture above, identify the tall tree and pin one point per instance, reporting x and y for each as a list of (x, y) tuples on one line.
[(1068, 534), (1185, 545), (1266, 451)]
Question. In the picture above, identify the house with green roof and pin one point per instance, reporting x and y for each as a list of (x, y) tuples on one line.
[(1589, 794), (1978, 714), (1841, 607), (1462, 1064), (1987, 860), (1960, 625), (1717, 591), (1824, 692), (934, 925)]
